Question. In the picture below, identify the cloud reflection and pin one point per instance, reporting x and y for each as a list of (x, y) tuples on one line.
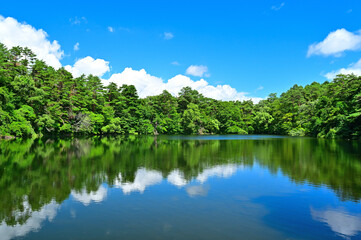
[(341, 222), (198, 190), (177, 178), (223, 171), (86, 198), (33, 223), (143, 179)]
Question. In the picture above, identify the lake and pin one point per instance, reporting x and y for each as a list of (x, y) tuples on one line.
[(180, 187)]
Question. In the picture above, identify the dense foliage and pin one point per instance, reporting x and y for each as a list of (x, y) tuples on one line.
[(36, 99)]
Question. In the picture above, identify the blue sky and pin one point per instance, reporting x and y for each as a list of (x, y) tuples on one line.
[(258, 47)]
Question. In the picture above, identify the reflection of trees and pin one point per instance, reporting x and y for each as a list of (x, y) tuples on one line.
[(40, 171), (335, 164)]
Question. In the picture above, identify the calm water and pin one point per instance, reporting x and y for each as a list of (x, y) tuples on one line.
[(211, 187)]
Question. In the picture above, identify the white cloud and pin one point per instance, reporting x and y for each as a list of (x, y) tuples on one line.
[(89, 65), (143, 179), (86, 198), (336, 43), (276, 8), (175, 63), (354, 68), (76, 47), (219, 92), (259, 88), (342, 223), (197, 70), (145, 83), (33, 223), (148, 85), (78, 21), (13, 33), (110, 29), (168, 35)]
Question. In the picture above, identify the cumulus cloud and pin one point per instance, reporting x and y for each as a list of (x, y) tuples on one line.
[(168, 35), (175, 63), (110, 29), (76, 47), (336, 43), (276, 8), (148, 85), (89, 65), (86, 198), (145, 83), (342, 223), (354, 68), (33, 223), (197, 70), (143, 179), (14, 33)]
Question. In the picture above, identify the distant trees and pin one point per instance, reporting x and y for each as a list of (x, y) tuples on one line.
[(36, 99)]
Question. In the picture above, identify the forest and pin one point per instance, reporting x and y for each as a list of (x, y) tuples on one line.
[(37, 100)]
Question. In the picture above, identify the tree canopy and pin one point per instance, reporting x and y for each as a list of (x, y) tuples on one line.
[(36, 100)]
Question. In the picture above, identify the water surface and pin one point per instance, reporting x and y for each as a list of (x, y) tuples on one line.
[(180, 187)]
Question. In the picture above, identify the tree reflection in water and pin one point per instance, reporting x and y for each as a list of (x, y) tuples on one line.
[(38, 173)]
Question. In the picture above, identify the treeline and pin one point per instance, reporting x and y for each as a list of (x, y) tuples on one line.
[(36, 99)]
